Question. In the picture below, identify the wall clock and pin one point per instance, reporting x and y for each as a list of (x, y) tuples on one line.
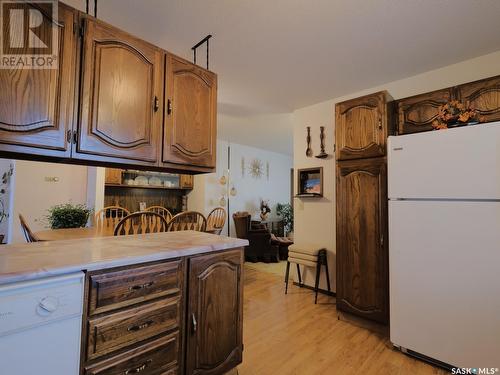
[(256, 168)]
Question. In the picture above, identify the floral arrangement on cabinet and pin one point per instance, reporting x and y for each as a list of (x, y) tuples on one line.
[(455, 113), (264, 209)]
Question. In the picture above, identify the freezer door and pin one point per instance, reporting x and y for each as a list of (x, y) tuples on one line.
[(461, 163), (444, 260)]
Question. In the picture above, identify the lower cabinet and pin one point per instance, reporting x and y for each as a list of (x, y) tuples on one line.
[(214, 319), (362, 256), (181, 316)]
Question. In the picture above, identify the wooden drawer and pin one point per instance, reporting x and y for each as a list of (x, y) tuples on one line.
[(112, 290), (122, 329), (160, 357)]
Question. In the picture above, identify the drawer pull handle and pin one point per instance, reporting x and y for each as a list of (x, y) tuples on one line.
[(138, 327), (195, 323), (139, 369), (141, 286)]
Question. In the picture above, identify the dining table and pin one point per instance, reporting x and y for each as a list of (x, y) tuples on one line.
[(73, 233)]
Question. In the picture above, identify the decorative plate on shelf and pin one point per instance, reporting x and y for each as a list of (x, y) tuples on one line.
[(141, 180), (155, 181)]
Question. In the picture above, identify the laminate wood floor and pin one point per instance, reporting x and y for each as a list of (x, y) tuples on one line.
[(289, 335)]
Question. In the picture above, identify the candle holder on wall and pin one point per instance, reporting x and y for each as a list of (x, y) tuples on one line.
[(322, 154)]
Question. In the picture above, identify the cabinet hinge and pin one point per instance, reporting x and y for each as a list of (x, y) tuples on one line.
[(82, 29)]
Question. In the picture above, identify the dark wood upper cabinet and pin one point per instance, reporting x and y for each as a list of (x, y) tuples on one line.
[(36, 105), (484, 97), (416, 113), (190, 114), (214, 333), (121, 97), (362, 256), (362, 126)]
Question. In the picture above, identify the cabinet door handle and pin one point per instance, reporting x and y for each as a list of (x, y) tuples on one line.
[(138, 369), (169, 107), (141, 286), (379, 124), (138, 327), (156, 104), (195, 323)]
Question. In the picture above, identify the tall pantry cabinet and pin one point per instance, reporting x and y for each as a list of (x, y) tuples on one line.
[(361, 129)]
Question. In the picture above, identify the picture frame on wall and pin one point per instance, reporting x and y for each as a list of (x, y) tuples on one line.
[(310, 182)]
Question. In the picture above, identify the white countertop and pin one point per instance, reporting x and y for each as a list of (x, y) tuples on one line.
[(41, 259)]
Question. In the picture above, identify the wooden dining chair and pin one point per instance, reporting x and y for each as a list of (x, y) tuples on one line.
[(27, 232), (161, 211), (140, 223), (216, 220), (106, 219), (189, 220)]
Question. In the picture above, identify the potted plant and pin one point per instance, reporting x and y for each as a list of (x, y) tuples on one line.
[(454, 114), (68, 216), (264, 209), (285, 211), (3, 191)]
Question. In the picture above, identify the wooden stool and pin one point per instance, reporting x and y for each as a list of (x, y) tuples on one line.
[(309, 257)]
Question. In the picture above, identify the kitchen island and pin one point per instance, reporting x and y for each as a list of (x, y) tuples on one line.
[(163, 303)]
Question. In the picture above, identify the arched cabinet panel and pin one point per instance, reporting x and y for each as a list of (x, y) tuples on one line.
[(121, 96), (362, 258), (36, 105), (416, 113), (190, 114), (484, 97), (214, 329), (361, 127)]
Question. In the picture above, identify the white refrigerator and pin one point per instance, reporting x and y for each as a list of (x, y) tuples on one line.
[(444, 245)]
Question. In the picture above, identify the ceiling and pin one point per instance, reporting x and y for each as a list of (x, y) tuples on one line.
[(279, 55)]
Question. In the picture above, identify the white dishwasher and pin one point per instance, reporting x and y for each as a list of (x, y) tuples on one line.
[(40, 325)]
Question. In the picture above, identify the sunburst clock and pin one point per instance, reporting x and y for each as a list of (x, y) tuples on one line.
[(256, 168)]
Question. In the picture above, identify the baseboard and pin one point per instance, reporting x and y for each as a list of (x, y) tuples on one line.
[(363, 323), (322, 291), (422, 357)]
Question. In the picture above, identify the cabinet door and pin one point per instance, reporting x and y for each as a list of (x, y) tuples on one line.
[(416, 113), (484, 96), (190, 114), (214, 332), (361, 127), (186, 181), (113, 176), (121, 97), (362, 259), (36, 105)]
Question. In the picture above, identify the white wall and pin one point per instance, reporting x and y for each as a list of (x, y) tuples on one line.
[(272, 132), (208, 191), (33, 195), (315, 219)]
